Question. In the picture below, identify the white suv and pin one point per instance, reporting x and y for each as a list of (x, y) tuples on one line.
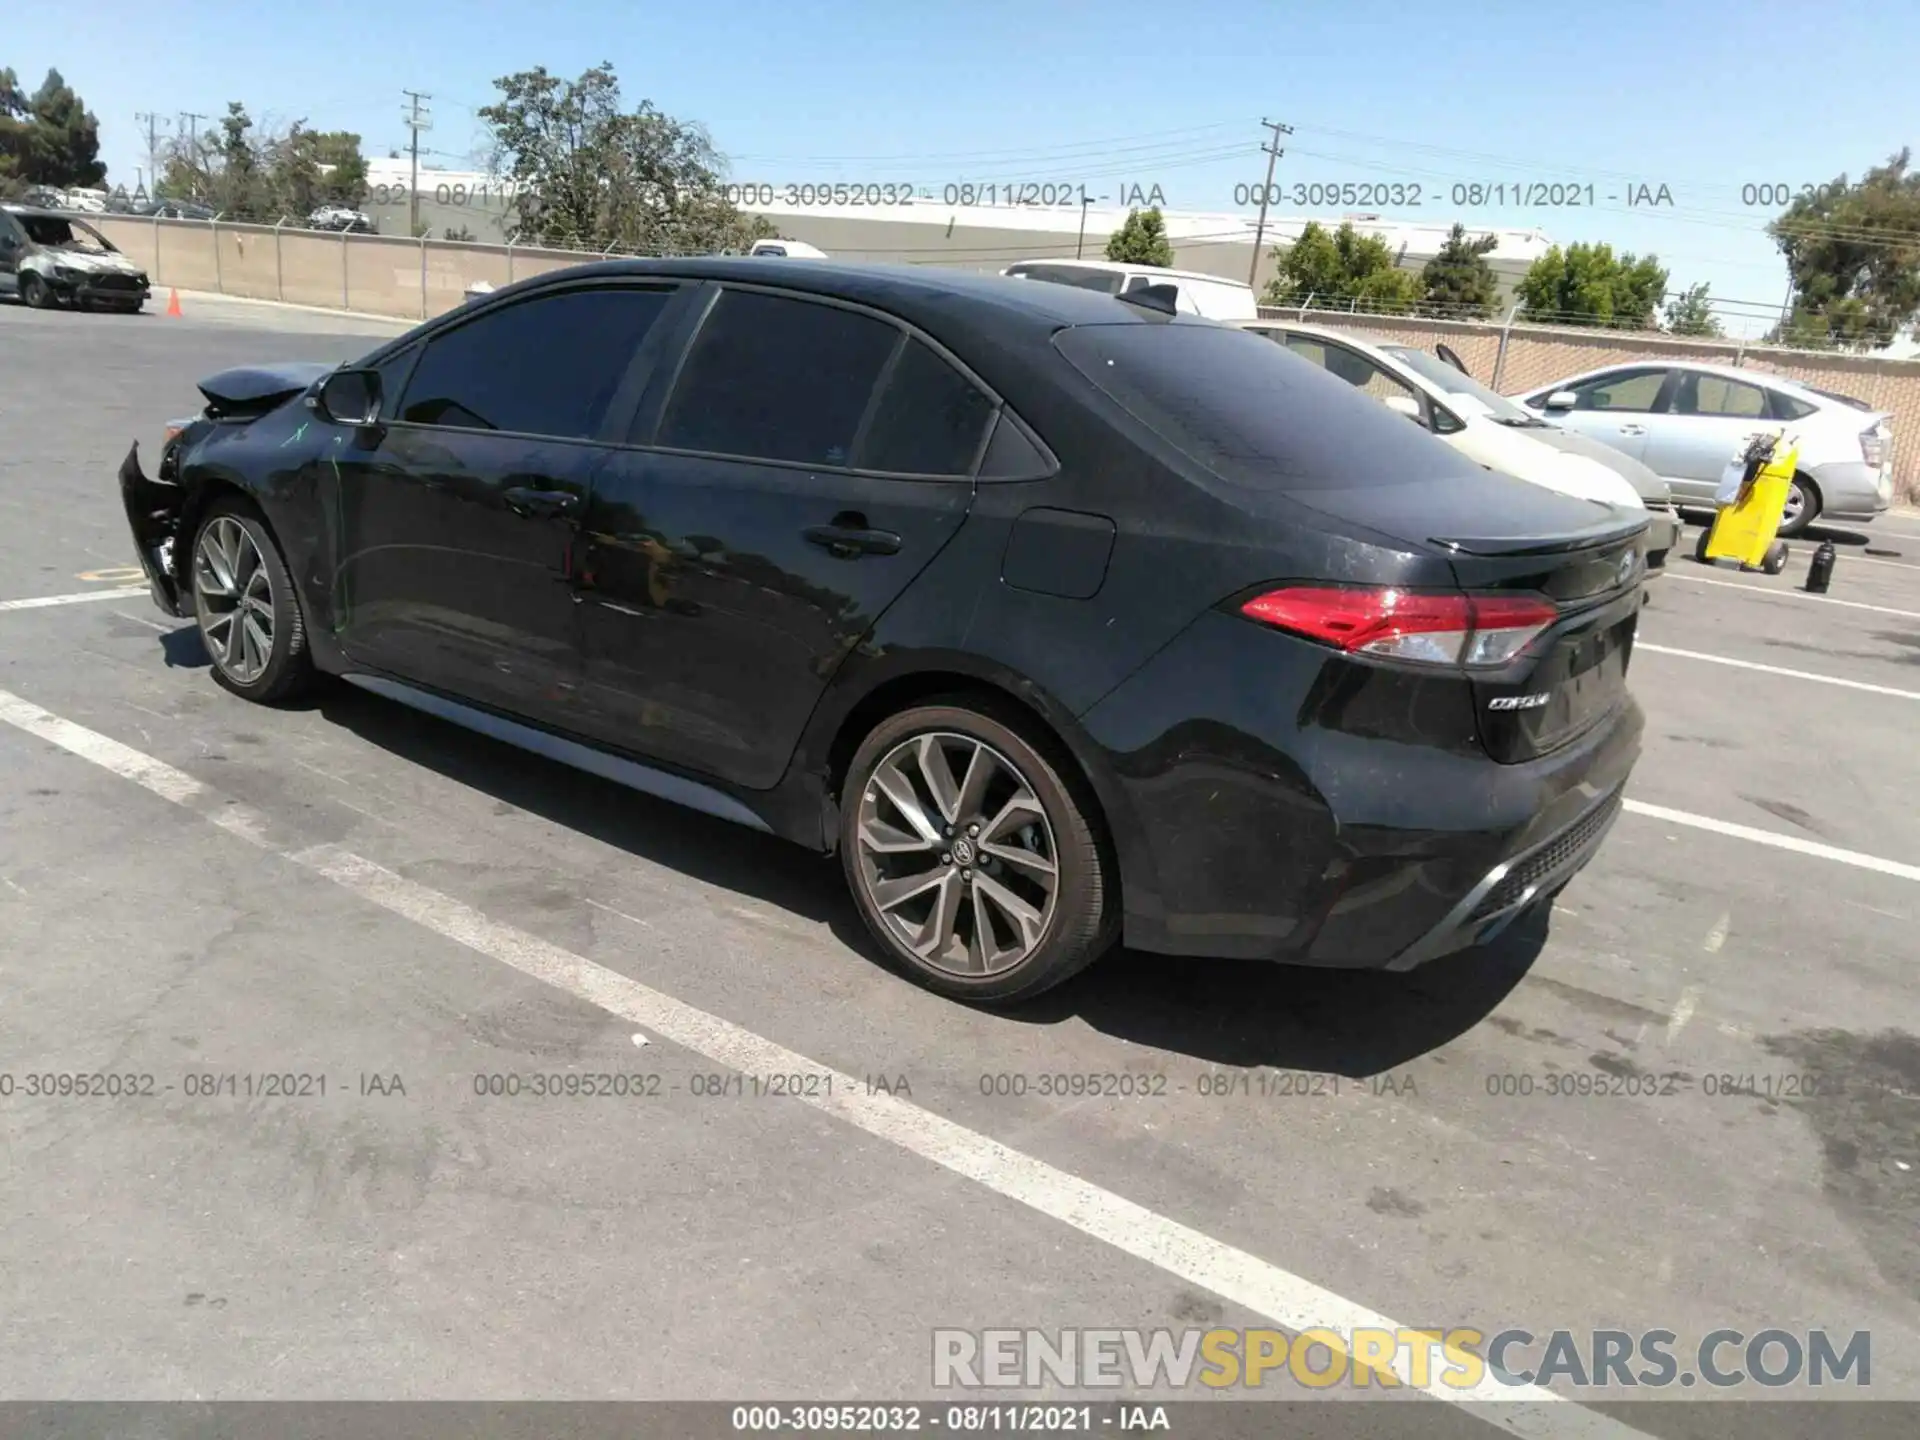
[(1686, 421)]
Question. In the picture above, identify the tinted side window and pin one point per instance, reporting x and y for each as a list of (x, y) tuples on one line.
[(1622, 390), (773, 378), (929, 419), (547, 366), (1718, 396), (1789, 407)]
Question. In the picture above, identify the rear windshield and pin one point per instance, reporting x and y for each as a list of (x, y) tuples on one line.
[(1254, 415)]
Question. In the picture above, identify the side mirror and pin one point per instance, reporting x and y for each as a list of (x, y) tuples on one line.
[(350, 397), (1562, 400), (1406, 405)]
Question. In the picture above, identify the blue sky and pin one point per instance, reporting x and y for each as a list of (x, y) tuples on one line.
[(1702, 98)]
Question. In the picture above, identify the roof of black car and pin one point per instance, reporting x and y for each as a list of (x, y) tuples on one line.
[(897, 288)]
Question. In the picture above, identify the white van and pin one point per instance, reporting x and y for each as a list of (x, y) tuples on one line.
[(1207, 296), (792, 249)]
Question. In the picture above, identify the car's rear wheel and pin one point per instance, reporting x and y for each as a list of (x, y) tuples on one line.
[(36, 292), (1803, 506), (244, 600), (974, 863)]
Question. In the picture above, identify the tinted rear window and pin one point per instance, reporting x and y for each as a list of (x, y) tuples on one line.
[(1251, 413)]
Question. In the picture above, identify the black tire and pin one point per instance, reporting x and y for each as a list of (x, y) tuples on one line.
[(1776, 558), (1084, 921), (1700, 545), (35, 291), (289, 666), (1809, 508)]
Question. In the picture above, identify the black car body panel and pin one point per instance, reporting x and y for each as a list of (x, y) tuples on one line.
[(735, 625)]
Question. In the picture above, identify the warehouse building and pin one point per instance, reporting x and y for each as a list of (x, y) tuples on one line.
[(925, 230)]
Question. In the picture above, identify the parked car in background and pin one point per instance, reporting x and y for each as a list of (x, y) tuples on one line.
[(341, 218), (1686, 421), (787, 250), (49, 259), (1208, 296), (1063, 620), (1481, 424), (174, 210)]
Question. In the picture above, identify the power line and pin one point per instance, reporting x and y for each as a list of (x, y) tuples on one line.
[(1017, 155)]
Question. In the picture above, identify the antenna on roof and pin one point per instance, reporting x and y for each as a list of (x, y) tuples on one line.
[(1164, 298)]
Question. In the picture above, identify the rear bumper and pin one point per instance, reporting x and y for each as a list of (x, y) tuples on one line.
[(1275, 815), (1513, 886), (1850, 490)]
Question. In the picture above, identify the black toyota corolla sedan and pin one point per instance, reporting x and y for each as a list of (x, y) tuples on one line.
[(1062, 619)]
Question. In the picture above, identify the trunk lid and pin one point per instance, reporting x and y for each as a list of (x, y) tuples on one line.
[(1506, 536), (1574, 675)]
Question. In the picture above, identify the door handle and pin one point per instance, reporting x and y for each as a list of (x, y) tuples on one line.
[(849, 537), (1633, 429), (541, 504)]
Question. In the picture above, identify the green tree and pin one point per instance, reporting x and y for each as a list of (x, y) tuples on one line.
[(1853, 254), (247, 173), (49, 137), (588, 171), (1142, 240), (1458, 281), (14, 130), (1343, 268), (1691, 313), (1589, 285)]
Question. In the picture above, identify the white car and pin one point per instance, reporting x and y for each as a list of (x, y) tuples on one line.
[(1685, 421), (1209, 296), (1454, 406), (788, 249)]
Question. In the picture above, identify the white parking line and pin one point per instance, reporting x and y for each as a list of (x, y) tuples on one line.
[(41, 602), (1640, 645), (1287, 1300), (1793, 595), (1898, 868)]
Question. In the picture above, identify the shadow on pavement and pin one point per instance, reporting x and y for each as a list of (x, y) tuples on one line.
[(1223, 1012)]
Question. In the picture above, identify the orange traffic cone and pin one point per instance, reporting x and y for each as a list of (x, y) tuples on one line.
[(173, 303)]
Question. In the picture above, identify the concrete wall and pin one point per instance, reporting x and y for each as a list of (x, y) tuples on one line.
[(415, 279)]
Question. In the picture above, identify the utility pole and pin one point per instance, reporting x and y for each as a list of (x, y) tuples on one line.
[(415, 120), (193, 144), (153, 123), (1274, 152)]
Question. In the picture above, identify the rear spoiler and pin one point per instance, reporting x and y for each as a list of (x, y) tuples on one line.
[(1610, 531)]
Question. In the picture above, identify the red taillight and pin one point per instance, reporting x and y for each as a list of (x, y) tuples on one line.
[(1474, 630)]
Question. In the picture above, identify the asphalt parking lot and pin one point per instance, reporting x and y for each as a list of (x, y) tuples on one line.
[(193, 887)]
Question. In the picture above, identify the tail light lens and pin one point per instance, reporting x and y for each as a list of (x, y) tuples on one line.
[(1476, 631), (1873, 447)]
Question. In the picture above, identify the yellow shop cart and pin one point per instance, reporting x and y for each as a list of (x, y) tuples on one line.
[(1751, 502)]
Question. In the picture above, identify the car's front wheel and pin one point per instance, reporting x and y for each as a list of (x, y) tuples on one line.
[(971, 858), (36, 292), (249, 615)]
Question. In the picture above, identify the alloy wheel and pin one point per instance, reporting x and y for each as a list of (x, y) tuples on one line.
[(1796, 502), (957, 855), (236, 599)]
